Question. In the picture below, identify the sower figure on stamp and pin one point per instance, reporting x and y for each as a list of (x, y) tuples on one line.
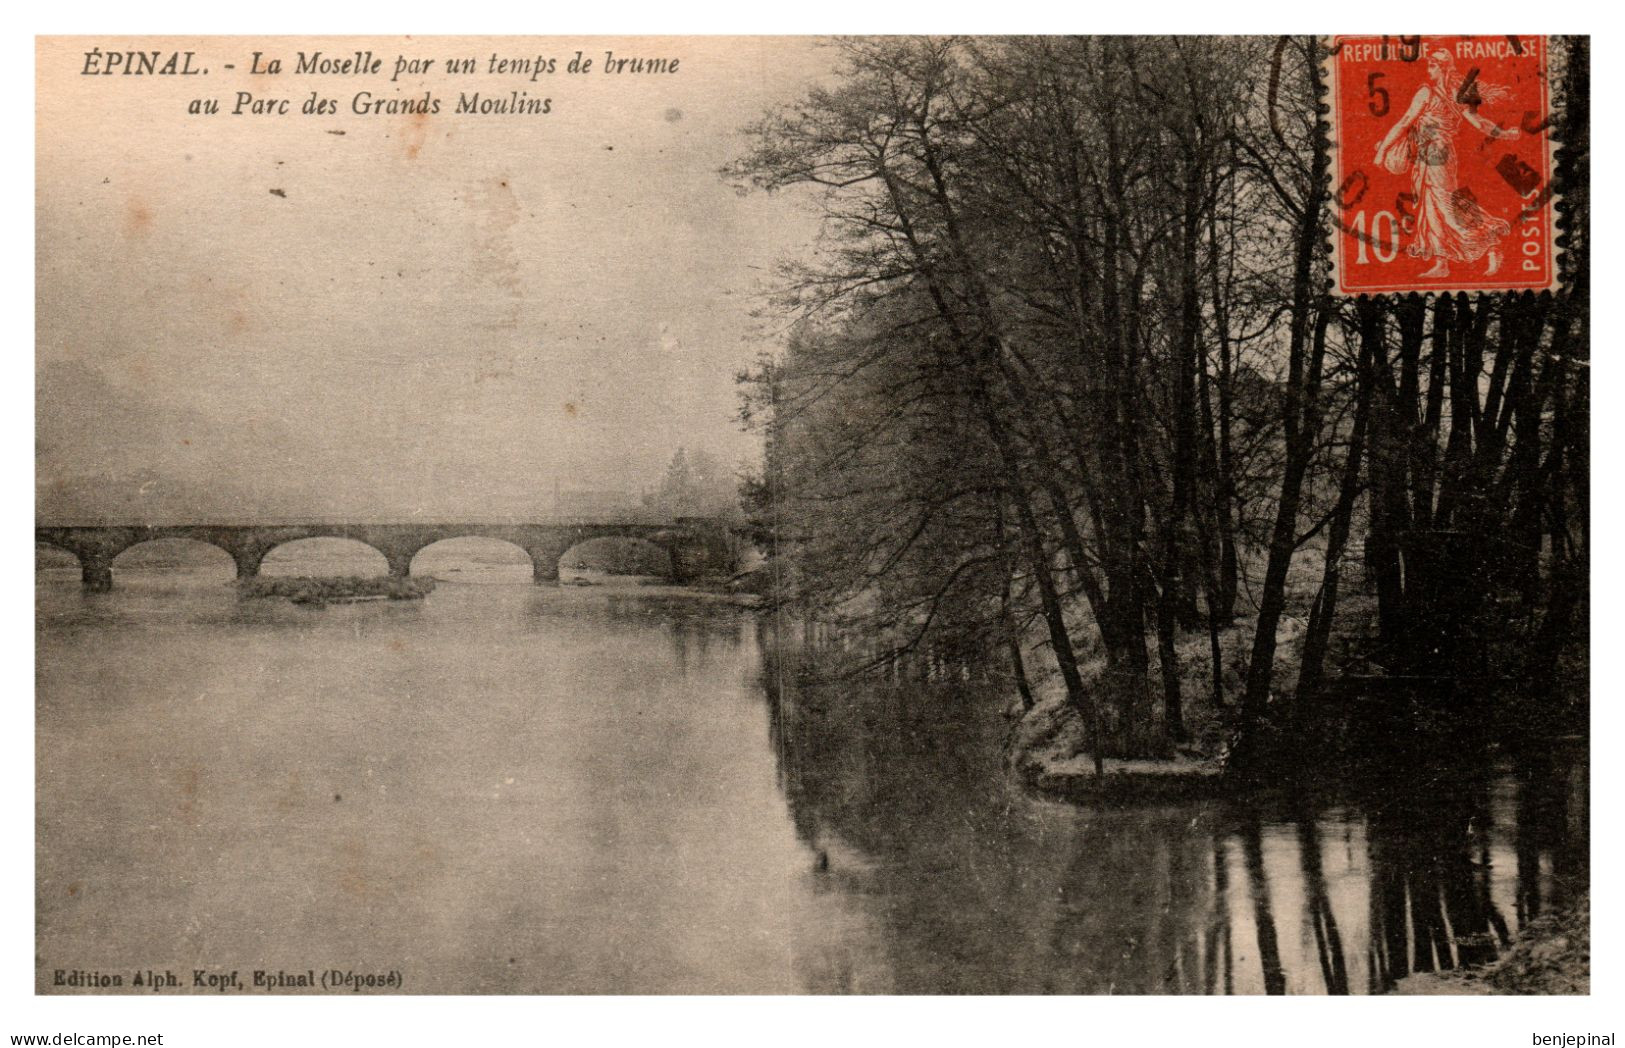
[(1450, 224)]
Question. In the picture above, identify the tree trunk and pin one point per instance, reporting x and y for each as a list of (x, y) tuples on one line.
[(1317, 635), (1301, 424)]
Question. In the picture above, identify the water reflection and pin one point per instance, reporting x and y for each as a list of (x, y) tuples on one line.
[(499, 789), (974, 887), (1323, 920)]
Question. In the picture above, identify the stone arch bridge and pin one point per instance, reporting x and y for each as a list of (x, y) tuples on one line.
[(693, 544)]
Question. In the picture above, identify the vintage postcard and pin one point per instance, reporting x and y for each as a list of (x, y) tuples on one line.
[(800, 515)]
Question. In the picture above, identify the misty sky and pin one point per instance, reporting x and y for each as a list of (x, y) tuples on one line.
[(433, 316)]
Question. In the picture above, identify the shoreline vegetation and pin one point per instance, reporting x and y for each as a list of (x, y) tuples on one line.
[(335, 589), (1050, 751), (1065, 417), (1094, 433), (1550, 956)]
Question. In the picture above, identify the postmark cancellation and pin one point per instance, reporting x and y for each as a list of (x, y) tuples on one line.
[(1443, 164)]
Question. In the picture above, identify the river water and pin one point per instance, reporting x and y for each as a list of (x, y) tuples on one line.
[(508, 788)]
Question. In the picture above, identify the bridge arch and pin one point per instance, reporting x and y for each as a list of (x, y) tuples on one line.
[(55, 555), (617, 554), (171, 551), (334, 554), (474, 558)]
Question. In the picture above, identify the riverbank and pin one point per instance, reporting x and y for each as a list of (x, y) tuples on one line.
[(1551, 956), (1050, 745), (1050, 756)]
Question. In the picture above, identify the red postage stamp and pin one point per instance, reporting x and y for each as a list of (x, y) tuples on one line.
[(1442, 164)]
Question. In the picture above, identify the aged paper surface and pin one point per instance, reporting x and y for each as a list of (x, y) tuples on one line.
[(788, 515)]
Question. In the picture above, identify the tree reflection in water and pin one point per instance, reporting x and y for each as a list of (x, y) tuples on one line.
[(959, 883), (1328, 942), (1431, 901)]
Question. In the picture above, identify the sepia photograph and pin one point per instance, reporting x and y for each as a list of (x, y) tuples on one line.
[(812, 515)]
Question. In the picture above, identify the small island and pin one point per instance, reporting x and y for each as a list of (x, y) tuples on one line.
[(336, 589)]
